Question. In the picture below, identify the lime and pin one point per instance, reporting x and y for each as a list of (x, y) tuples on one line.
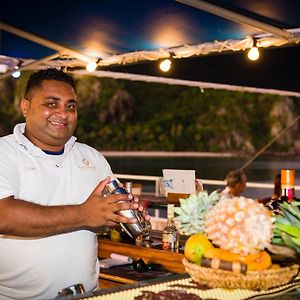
[(195, 247)]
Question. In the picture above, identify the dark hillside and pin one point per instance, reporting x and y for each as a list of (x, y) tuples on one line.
[(125, 115)]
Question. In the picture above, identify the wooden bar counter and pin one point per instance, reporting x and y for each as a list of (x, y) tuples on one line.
[(171, 261)]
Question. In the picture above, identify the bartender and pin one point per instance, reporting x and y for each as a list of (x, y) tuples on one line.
[(51, 196)]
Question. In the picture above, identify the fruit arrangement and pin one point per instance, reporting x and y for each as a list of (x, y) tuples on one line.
[(236, 232)]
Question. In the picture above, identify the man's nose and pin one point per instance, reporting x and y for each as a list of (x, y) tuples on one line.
[(62, 112)]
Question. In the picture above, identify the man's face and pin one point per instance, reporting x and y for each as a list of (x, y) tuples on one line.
[(51, 114)]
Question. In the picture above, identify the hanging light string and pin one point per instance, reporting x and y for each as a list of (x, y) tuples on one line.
[(270, 143), (253, 53)]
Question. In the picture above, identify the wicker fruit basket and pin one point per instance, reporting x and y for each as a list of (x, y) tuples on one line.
[(253, 280)]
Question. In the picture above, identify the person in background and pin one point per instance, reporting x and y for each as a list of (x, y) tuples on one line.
[(277, 187), (51, 201), (276, 190), (236, 181)]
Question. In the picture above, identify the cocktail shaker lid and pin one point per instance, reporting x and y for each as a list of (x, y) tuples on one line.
[(112, 185)]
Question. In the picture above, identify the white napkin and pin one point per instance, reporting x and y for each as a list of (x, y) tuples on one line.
[(115, 260)]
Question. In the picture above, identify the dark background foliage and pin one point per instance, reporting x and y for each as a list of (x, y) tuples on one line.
[(126, 115)]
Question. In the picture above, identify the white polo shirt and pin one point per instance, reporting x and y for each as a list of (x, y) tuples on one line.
[(37, 268)]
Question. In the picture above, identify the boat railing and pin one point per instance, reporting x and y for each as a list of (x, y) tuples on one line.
[(157, 180)]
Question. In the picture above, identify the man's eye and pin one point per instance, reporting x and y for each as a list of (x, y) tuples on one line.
[(72, 106), (51, 104)]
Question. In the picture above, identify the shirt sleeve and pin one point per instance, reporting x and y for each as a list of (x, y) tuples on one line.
[(105, 169)]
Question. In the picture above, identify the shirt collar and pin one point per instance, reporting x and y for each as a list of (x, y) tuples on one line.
[(23, 141)]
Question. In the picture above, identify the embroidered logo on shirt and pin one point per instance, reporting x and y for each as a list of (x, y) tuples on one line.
[(86, 164), (85, 161)]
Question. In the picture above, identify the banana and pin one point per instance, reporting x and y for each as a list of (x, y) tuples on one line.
[(292, 218), (286, 231), (289, 229), (296, 241), (282, 220), (292, 209), (287, 239)]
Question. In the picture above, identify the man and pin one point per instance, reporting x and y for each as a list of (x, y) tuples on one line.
[(50, 196), (236, 181)]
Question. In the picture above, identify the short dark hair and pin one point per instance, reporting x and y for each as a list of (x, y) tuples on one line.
[(233, 177), (36, 79)]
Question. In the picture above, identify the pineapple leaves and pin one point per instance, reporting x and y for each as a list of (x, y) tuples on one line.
[(191, 213)]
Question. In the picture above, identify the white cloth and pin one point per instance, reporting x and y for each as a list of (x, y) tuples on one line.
[(226, 193), (38, 268)]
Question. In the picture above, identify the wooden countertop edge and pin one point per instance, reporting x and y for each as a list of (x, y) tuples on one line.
[(116, 278), (170, 260)]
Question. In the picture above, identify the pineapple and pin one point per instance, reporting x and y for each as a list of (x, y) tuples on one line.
[(192, 211), (240, 225)]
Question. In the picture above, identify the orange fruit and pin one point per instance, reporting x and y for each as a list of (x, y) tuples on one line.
[(263, 262), (195, 247), (258, 261), (230, 256)]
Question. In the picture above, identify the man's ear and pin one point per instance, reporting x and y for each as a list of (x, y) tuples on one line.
[(25, 104)]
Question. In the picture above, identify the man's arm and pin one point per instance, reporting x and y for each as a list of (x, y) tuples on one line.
[(25, 219)]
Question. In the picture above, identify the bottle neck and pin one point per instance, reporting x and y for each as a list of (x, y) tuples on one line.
[(288, 193), (170, 212), (128, 187), (170, 221)]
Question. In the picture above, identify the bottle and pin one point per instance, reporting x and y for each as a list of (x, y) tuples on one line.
[(134, 229), (115, 234), (144, 238), (287, 190), (138, 239), (128, 187), (288, 185), (170, 235)]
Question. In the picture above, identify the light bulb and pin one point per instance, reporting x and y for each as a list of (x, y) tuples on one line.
[(165, 65), (253, 53), (91, 66), (16, 74)]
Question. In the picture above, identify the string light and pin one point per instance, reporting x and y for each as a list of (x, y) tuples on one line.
[(165, 65), (253, 53), (17, 73), (91, 66)]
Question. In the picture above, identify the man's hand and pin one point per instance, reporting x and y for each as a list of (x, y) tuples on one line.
[(140, 208), (98, 210)]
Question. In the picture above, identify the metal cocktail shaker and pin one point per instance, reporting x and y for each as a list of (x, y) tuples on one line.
[(135, 229)]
